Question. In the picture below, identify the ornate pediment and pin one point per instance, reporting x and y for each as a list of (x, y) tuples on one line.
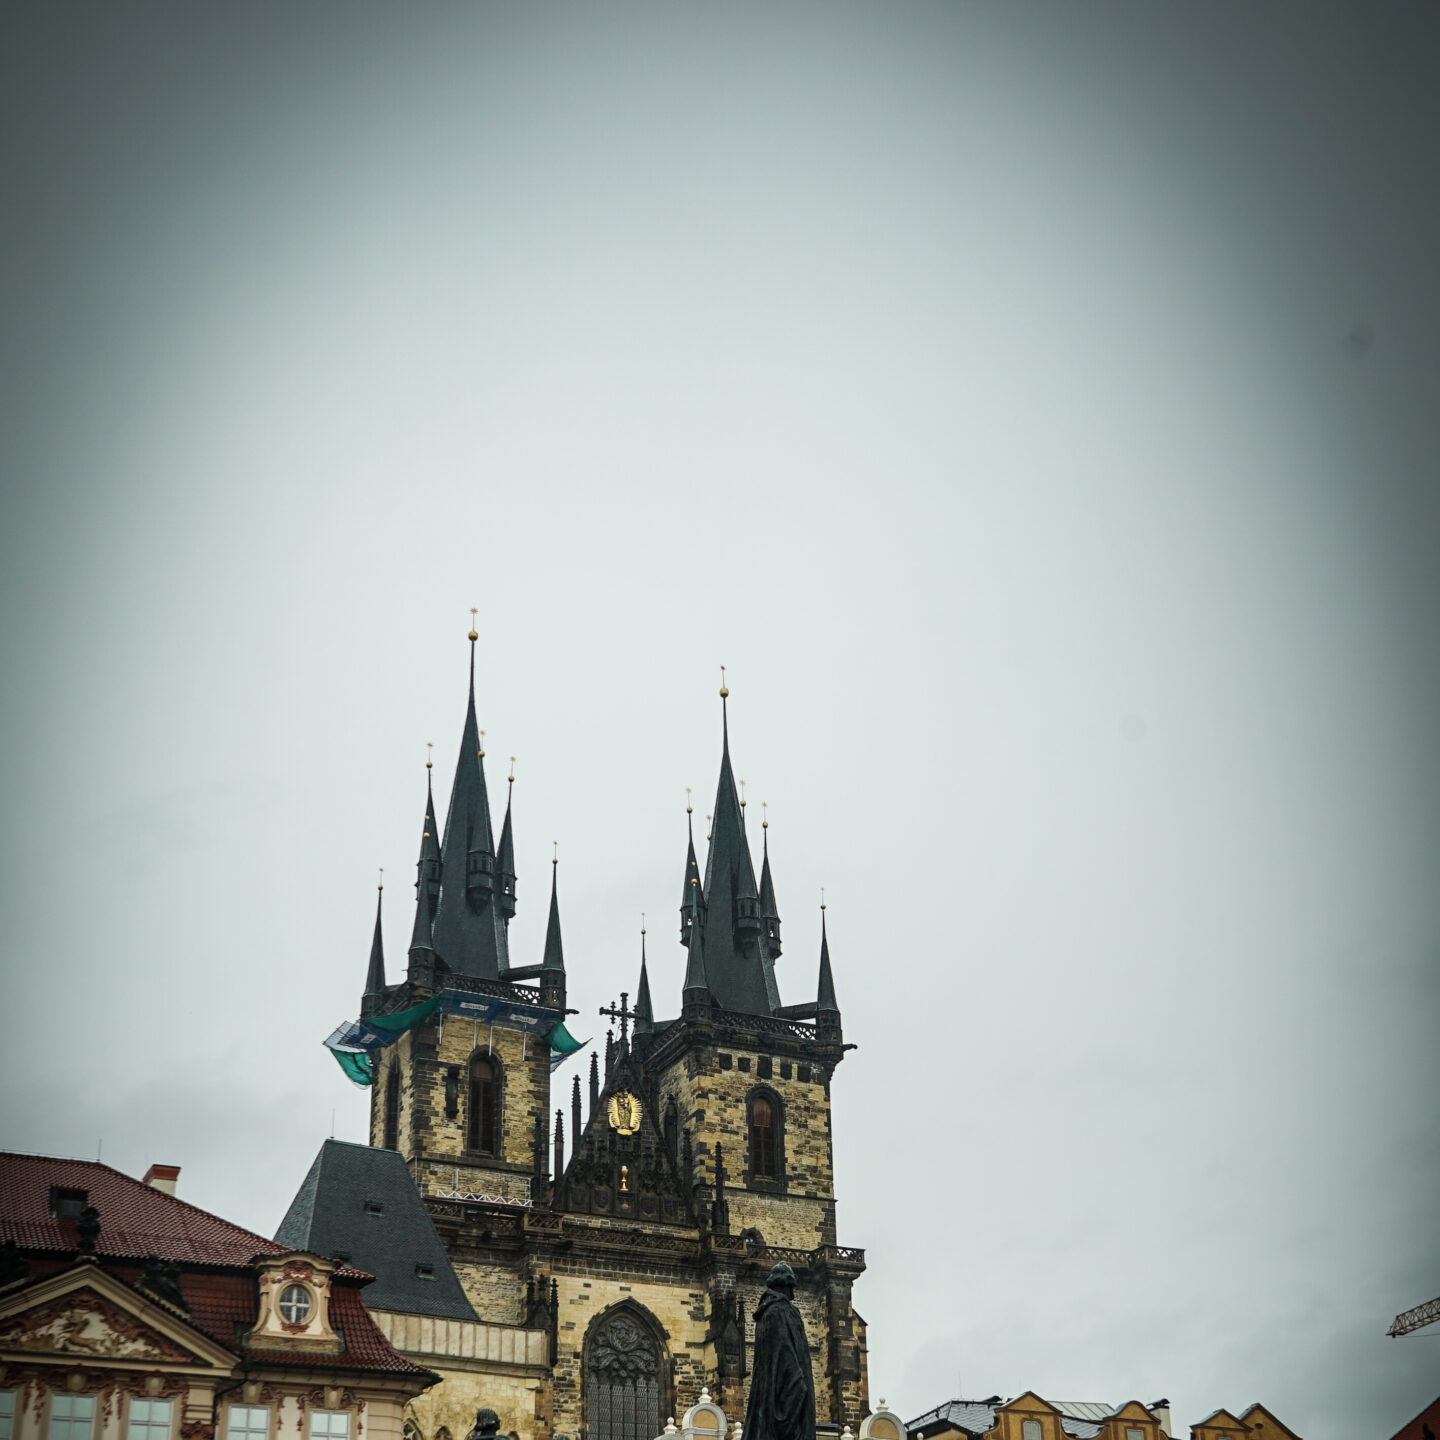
[(621, 1165), (85, 1323)]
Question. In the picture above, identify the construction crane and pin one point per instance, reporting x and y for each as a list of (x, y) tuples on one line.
[(1417, 1319)]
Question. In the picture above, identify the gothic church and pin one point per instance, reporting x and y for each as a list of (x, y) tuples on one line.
[(699, 1157)]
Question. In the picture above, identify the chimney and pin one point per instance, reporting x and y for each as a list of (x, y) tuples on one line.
[(1160, 1409), (163, 1177)]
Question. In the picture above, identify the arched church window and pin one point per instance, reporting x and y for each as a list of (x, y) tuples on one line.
[(483, 1110), (764, 1148), (392, 1107), (624, 1378)]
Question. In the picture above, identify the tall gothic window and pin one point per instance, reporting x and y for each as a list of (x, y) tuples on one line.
[(672, 1131), (762, 1138), (392, 1107), (484, 1103), (624, 1377)]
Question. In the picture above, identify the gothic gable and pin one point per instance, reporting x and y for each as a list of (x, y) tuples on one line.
[(630, 1176)]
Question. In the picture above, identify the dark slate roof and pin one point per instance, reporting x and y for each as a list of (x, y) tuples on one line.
[(328, 1216)]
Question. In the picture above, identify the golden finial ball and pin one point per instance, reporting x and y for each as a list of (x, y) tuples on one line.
[(724, 692)]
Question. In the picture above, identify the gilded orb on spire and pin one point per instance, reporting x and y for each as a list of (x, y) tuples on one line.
[(473, 636), (724, 689), (429, 761)]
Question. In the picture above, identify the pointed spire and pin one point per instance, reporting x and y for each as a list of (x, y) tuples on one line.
[(827, 1008), (697, 986), (469, 934), (505, 855), (554, 952), (427, 869), (737, 969), (594, 1083), (375, 978), (692, 874), (644, 1009), (769, 910), (575, 1126), (560, 1144)]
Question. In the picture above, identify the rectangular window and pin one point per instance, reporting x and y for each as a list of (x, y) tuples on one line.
[(329, 1425), (247, 1422), (7, 1414), (1134, 1433), (72, 1417), (149, 1420), (1030, 1429)]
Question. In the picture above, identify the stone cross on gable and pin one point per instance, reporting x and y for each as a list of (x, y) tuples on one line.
[(622, 1013)]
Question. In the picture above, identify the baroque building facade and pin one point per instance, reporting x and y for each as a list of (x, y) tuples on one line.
[(700, 1152)]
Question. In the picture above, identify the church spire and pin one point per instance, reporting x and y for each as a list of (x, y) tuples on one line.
[(769, 910), (427, 870), (644, 1009), (738, 974), (697, 987), (469, 934), (552, 967), (375, 977), (827, 1008), (692, 873), (505, 856)]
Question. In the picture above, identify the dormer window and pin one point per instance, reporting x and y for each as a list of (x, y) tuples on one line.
[(296, 1304), (374, 1207), (424, 1272), (1030, 1430), (67, 1204)]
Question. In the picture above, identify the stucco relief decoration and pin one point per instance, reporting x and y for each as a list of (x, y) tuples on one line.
[(623, 1351), (84, 1324), (197, 1430), (300, 1270)]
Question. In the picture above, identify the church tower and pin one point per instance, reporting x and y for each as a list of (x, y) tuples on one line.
[(700, 1153)]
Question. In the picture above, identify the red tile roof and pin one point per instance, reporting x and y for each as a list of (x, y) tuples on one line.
[(137, 1220)]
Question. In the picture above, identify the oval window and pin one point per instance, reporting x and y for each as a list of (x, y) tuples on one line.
[(295, 1304)]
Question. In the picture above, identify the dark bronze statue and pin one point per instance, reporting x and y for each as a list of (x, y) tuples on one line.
[(487, 1424), (782, 1389)]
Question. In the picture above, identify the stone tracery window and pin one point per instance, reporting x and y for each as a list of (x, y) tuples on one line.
[(624, 1378)]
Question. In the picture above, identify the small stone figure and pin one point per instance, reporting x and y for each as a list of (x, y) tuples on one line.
[(782, 1389), (487, 1425)]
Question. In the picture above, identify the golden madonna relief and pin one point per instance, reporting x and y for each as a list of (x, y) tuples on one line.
[(623, 1112)]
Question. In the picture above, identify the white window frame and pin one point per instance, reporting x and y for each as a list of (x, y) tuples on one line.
[(69, 1424), (310, 1303), (1031, 1430), (328, 1433), (148, 1429), (248, 1431)]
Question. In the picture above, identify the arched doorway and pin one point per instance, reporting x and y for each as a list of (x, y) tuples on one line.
[(626, 1378)]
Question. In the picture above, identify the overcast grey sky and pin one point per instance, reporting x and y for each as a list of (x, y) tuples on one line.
[(1035, 408)]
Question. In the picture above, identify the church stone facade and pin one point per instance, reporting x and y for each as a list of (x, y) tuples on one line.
[(700, 1151)]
